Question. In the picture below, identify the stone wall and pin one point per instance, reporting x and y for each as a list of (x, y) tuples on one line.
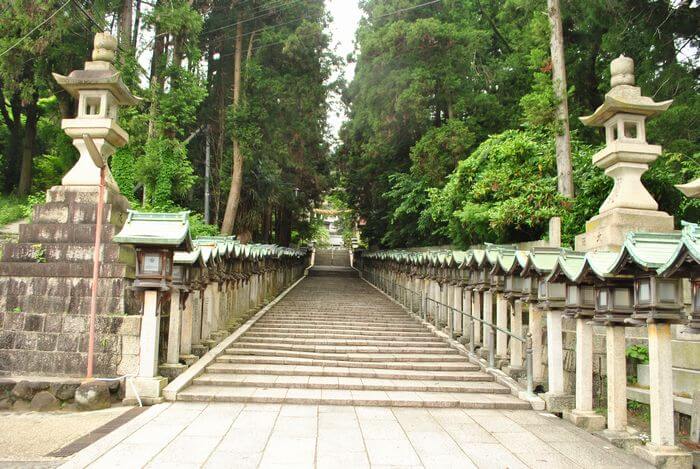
[(45, 290), (57, 344)]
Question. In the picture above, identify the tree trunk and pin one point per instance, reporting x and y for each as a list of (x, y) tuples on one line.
[(267, 223), (125, 23), (137, 25), (234, 195), (25, 178), (565, 183)]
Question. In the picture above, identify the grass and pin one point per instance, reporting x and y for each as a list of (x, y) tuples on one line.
[(12, 208)]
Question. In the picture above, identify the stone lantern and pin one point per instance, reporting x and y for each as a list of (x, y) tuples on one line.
[(100, 92), (626, 156)]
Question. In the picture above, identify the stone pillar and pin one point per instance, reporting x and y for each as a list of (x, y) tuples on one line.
[(476, 311), (487, 315), (207, 311), (516, 347), (555, 358), (187, 325), (467, 308), (662, 450), (147, 383), (174, 328), (583, 415), (617, 378), (502, 322), (535, 328), (458, 320), (555, 398)]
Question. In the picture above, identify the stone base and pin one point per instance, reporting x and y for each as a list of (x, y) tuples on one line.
[(586, 419), (149, 390), (668, 457), (171, 370), (515, 372), (189, 359), (607, 231), (624, 440), (199, 350), (559, 403)]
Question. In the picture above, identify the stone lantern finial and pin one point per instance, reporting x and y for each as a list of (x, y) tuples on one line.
[(622, 71), (104, 47)]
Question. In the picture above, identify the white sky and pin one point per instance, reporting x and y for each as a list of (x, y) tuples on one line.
[(346, 16)]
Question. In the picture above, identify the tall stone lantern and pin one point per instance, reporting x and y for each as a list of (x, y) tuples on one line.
[(626, 156), (100, 92)]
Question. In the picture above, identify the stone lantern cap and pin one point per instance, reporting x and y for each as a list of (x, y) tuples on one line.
[(645, 252), (691, 189), (624, 97), (188, 257), (567, 267), (156, 229), (541, 261), (504, 262), (685, 259), (99, 74)]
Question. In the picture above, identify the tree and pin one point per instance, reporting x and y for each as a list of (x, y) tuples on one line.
[(562, 139)]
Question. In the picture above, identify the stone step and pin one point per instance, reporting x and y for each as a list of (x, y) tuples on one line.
[(63, 233), (338, 327), (76, 213), (448, 356), (471, 373), (440, 349), (262, 334), (206, 393), (334, 382), (358, 322), (63, 252), (250, 339), (301, 332), (442, 365)]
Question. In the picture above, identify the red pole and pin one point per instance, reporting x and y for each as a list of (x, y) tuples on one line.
[(95, 272)]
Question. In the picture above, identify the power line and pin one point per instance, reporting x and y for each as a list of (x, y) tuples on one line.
[(312, 34), (35, 28), (267, 13), (406, 9)]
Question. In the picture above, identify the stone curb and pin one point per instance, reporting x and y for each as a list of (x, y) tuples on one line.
[(501, 378), (186, 378), (87, 456)]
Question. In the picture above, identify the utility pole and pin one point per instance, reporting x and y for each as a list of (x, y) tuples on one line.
[(207, 163)]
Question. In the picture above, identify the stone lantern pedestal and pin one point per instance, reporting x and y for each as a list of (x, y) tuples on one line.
[(46, 278)]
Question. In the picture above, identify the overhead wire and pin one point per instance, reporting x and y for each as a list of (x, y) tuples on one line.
[(401, 10), (247, 20), (20, 40)]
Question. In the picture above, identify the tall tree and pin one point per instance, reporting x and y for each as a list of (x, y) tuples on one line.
[(565, 181)]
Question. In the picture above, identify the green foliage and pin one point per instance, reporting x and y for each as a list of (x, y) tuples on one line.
[(11, 209), (165, 172), (639, 353), (199, 228)]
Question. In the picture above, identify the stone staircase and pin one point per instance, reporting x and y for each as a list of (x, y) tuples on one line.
[(336, 340)]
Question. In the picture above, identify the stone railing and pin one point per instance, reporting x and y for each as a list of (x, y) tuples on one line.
[(480, 296)]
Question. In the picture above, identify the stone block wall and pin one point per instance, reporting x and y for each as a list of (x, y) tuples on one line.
[(57, 344), (45, 290)]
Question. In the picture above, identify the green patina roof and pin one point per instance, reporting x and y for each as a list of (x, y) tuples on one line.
[(187, 257), (687, 251), (567, 267), (541, 260), (598, 263), (156, 229), (647, 251), (504, 262)]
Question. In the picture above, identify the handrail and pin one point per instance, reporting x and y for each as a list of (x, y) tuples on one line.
[(384, 283)]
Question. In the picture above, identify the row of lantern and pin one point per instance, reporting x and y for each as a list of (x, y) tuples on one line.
[(640, 283)]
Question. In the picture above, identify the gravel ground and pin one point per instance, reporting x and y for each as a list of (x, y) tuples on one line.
[(27, 438)]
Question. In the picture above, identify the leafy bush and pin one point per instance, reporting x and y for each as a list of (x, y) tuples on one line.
[(11, 209), (638, 352)]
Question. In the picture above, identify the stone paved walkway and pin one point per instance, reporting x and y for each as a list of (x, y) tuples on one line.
[(236, 435)]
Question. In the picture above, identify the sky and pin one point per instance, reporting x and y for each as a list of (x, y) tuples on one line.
[(346, 17)]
